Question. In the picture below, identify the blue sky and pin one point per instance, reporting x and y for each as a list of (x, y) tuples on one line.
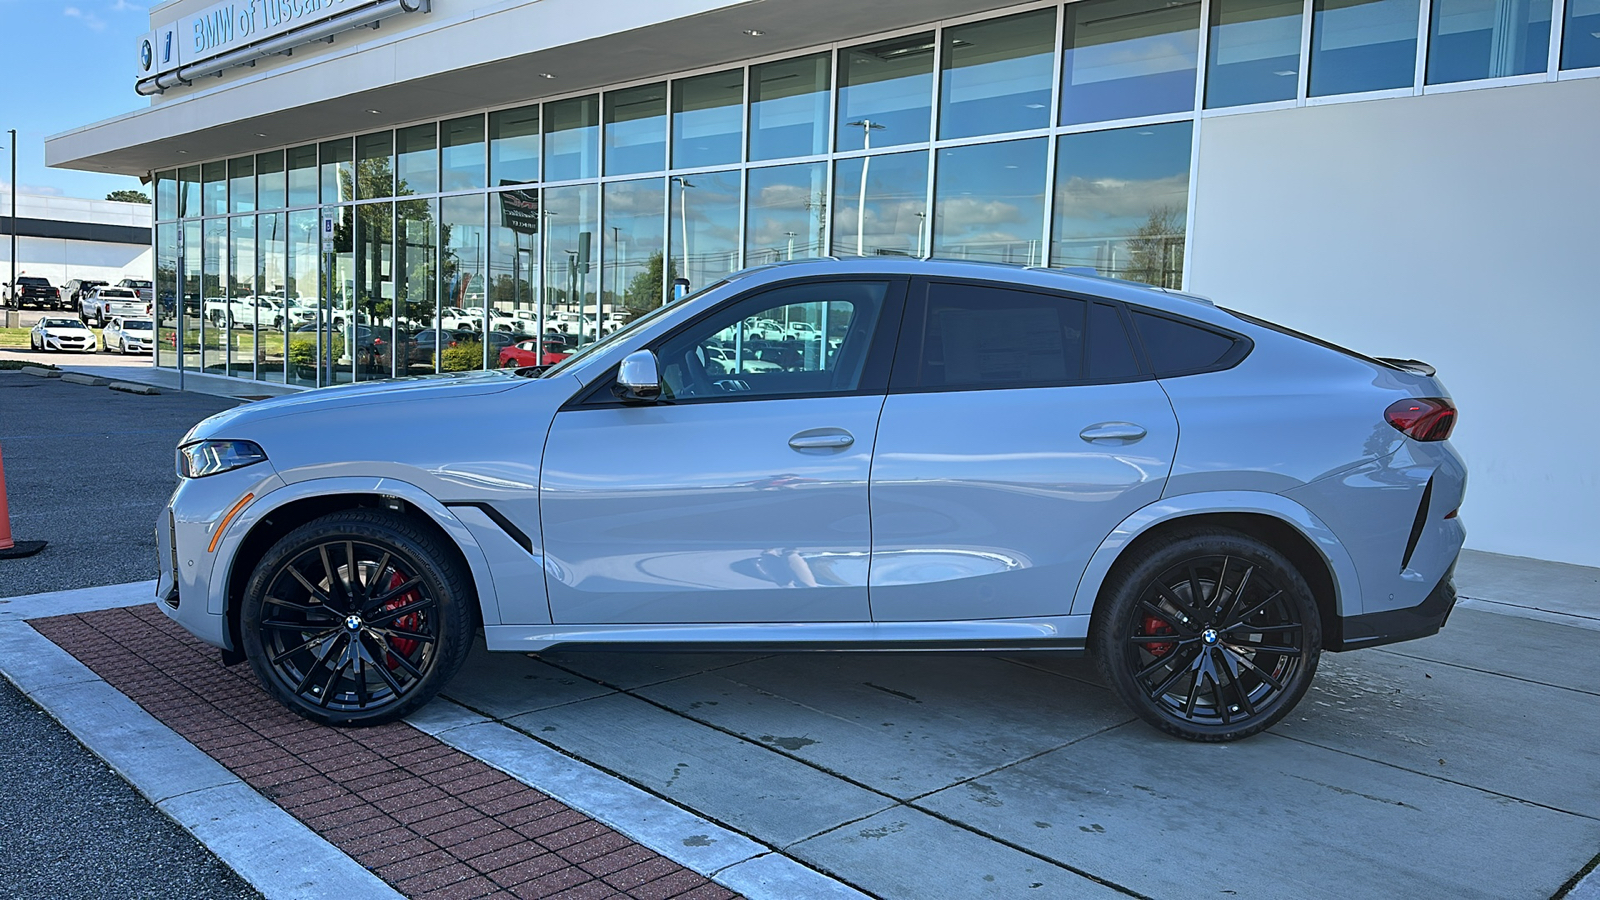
[(67, 63)]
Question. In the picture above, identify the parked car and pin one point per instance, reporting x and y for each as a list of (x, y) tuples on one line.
[(75, 291), (103, 303), (430, 341), (129, 335), (530, 353), (61, 333), (1017, 430), (34, 291), (142, 286)]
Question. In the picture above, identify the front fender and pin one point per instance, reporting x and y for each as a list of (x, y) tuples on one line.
[(228, 548), (1346, 584)]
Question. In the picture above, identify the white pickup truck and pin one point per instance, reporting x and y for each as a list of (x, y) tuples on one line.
[(105, 303)]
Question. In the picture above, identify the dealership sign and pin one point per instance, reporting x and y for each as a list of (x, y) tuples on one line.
[(227, 26)]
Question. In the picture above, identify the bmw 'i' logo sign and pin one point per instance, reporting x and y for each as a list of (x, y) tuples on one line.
[(146, 55)]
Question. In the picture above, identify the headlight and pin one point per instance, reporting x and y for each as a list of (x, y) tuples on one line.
[(204, 458)]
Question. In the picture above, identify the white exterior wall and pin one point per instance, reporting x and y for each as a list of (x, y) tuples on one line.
[(62, 260), (1462, 229)]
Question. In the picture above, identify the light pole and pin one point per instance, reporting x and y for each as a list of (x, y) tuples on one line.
[(791, 236), (11, 291), (683, 218), (866, 126)]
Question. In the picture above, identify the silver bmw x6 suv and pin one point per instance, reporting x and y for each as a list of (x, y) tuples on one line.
[(859, 454)]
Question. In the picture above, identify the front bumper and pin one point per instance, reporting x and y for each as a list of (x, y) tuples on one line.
[(1395, 625), (71, 345)]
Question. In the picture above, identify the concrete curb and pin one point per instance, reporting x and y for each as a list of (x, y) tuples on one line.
[(255, 837), (732, 859), (40, 371), (129, 387), (81, 378)]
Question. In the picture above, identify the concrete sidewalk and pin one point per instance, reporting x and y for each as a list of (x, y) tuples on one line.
[(1459, 765)]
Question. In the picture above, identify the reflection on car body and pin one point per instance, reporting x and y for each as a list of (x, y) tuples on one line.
[(686, 480)]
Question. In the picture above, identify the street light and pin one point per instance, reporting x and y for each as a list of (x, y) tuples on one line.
[(11, 291), (683, 217), (866, 126)]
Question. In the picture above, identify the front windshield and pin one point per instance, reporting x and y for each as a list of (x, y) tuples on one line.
[(137, 325), (588, 350), (62, 323)]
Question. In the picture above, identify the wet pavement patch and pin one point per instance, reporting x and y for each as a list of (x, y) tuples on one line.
[(429, 820)]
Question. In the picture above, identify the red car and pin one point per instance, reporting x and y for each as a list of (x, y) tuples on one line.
[(526, 353)]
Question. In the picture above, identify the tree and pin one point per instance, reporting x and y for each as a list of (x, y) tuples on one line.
[(647, 289), (128, 197), (1155, 253)]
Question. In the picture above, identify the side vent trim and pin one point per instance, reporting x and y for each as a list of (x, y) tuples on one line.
[(506, 525), (1417, 524)]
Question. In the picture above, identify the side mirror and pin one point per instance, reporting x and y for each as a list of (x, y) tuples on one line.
[(639, 377)]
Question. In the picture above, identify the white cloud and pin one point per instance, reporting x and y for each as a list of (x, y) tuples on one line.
[(1093, 204), (125, 6), (94, 22), (38, 190)]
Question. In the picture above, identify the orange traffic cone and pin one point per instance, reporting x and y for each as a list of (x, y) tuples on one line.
[(10, 549)]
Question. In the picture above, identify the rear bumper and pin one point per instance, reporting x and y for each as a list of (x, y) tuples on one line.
[(1395, 625)]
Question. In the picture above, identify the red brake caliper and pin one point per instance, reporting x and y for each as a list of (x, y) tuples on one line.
[(407, 622), (1154, 626)]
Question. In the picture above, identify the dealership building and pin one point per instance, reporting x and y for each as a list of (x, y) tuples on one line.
[(63, 238), (1410, 178)]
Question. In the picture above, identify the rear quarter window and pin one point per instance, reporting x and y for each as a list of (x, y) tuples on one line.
[(1181, 347)]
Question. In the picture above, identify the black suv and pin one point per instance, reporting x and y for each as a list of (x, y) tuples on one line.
[(36, 291)]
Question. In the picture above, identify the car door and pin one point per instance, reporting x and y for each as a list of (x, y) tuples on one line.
[(1019, 430), (742, 495)]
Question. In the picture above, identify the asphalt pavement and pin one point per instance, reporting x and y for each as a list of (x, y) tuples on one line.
[(88, 469)]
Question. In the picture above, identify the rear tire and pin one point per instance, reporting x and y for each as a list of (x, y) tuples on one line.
[(1207, 634), (357, 618)]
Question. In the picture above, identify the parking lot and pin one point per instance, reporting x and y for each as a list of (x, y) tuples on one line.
[(1460, 765)]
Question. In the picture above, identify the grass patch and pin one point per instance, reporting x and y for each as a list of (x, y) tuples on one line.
[(13, 364), (13, 337)]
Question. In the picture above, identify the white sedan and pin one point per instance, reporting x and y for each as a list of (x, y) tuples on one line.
[(59, 333), (129, 335)]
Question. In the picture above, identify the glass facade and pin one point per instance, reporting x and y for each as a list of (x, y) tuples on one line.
[(566, 218), (1362, 45), (1472, 39)]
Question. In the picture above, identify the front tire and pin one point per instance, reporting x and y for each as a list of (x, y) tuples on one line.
[(357, 618), (1207, 634)]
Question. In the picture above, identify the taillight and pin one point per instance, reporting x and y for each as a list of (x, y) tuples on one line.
[(1422, 419)]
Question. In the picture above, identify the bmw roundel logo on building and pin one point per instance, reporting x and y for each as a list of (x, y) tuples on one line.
[(147, 54)]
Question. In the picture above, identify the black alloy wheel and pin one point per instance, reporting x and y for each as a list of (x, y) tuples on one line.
[(1210, 635), (357, 618)]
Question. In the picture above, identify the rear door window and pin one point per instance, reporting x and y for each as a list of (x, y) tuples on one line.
[(966, 336)]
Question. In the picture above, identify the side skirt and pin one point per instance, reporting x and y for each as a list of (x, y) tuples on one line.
[(1056, 633)]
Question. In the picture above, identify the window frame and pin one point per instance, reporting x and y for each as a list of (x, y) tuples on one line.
[(1242, 344), (906, 377), (875, 373)]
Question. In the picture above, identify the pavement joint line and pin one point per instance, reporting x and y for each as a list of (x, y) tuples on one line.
[(1456, 665), (1473, 787), (253, 836), (650, 820), (1497, 607), (1585, 888)]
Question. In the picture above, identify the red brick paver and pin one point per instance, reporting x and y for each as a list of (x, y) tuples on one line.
[(426, 818)]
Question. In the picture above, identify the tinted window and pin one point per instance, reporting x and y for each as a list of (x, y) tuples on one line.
[(981, 336), (1110, 352), (1177, 347), (805, 339)]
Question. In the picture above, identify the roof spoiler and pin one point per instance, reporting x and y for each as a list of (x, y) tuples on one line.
[(1410, 365)]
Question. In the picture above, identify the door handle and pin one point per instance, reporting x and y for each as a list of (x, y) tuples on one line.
[(1112, 431), (822, 439)]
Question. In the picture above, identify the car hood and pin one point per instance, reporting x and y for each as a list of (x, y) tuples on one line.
[(237, 421)]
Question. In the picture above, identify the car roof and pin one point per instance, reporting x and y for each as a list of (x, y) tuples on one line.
[(1075, 281)]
